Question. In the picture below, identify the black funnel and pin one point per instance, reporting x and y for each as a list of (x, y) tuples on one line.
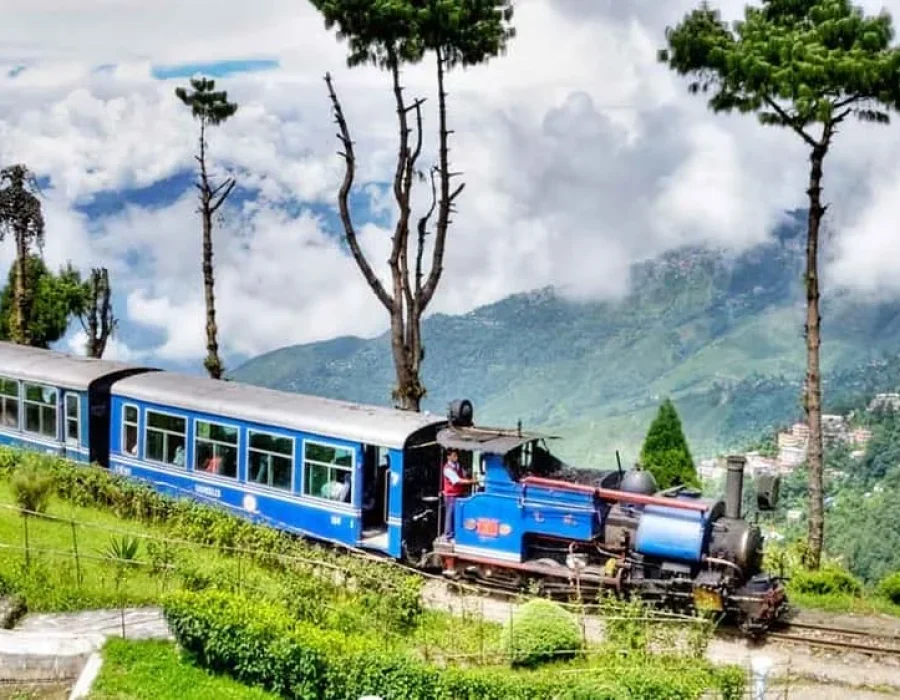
[(734, 486)]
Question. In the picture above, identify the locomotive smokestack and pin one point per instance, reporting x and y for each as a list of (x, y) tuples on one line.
[(734, 485)]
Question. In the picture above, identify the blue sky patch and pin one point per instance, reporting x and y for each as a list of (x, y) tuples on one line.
[(213, 69)]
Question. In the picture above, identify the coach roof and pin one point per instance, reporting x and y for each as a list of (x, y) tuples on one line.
[(55, 368), (375, 425)]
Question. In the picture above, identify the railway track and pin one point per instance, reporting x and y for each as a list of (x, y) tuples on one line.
[(838, 639)]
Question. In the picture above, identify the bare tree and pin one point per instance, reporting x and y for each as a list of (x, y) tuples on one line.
[(96, 315), (460, 32), (20, 217), (210, 108)]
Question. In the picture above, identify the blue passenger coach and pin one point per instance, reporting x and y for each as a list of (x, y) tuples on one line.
[(328, 469), (57, 403)]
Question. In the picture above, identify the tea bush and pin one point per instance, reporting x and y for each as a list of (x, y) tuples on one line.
[(889, 588), (826, 581), (541, 631), (262, 644), (31, 485)]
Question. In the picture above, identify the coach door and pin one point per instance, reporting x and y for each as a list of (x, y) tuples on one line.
[(72, 425), (375, 495)]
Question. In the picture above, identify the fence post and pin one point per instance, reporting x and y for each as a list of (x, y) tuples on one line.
[(77, 558), (27, 546), (481, 630), (760, 667)]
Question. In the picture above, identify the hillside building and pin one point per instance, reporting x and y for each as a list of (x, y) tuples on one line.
[(888, 401)]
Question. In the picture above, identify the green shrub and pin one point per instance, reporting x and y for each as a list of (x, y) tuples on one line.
[(826, 581), (261, 644), (31, 486), (541, 631), (889, 588)]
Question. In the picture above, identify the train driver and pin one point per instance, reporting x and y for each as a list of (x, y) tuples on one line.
[(455, 485)]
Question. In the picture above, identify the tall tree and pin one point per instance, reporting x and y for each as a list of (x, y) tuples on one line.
[(665, 452), (808, 66), (390, 35), (210, 108), (22, 218), (96, 313), (52, 301)]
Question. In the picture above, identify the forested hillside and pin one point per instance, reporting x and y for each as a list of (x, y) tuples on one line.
[(721, 335), (862, 509)]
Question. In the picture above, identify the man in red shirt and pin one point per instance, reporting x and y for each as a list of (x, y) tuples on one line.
[(454, 486)]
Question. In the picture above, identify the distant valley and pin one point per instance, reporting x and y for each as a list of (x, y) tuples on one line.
[(722, 335)]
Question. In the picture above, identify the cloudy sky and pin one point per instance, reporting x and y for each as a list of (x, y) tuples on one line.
[(581, 154)]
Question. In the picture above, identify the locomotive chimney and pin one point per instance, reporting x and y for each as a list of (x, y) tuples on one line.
[(734, 485)]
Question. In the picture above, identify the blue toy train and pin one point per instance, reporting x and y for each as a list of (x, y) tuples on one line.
[(370, 477)]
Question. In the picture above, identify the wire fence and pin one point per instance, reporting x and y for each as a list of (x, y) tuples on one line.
[(109, 570)]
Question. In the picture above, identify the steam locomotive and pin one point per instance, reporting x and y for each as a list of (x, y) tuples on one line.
[(369, 477), (534, 518)]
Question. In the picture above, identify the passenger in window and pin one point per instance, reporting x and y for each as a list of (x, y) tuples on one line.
[(213, 464), (338, 490), (132, 447), (179, 456)]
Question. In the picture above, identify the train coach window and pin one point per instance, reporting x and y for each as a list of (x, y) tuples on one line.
[(165, 438), (270, 460), (130, 430), (215, 449), (73, 413), (328, 471), (40, 410), (9, 403)]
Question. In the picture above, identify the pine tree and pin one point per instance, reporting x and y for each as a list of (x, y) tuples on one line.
[(808, 67), (210, 108), (665, 453)]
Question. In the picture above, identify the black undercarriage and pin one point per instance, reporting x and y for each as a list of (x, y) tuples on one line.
[(585, 571)]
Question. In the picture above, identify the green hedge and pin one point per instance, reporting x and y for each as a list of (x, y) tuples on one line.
[(261, 644), (541, 631), (889, 588), (828, 580)]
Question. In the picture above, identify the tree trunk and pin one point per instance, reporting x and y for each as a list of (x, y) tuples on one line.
[(93, 317), (813, 389), (20, 331), (213, 362)]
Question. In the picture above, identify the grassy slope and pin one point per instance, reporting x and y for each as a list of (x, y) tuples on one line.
[(154, 670), (55, 587)]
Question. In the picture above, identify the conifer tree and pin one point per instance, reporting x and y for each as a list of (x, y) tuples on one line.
[(807, 66), (210, 107), (665, 453)]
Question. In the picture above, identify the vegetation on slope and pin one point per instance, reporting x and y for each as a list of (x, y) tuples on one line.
[(720, 335)]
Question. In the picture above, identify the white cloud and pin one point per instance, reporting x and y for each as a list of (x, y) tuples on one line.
[(76, 344), (581, 154)]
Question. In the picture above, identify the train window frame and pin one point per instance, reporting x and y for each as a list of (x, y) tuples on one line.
[(41, 405), (236, 446), (305, 491), (76, 440), (6, 398), (124, 425), (292, 456), (166, 433)]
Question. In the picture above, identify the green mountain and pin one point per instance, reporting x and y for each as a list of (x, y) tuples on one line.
[(722, 335)]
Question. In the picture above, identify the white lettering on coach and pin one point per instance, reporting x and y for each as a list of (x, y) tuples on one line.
[(208, 491)]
